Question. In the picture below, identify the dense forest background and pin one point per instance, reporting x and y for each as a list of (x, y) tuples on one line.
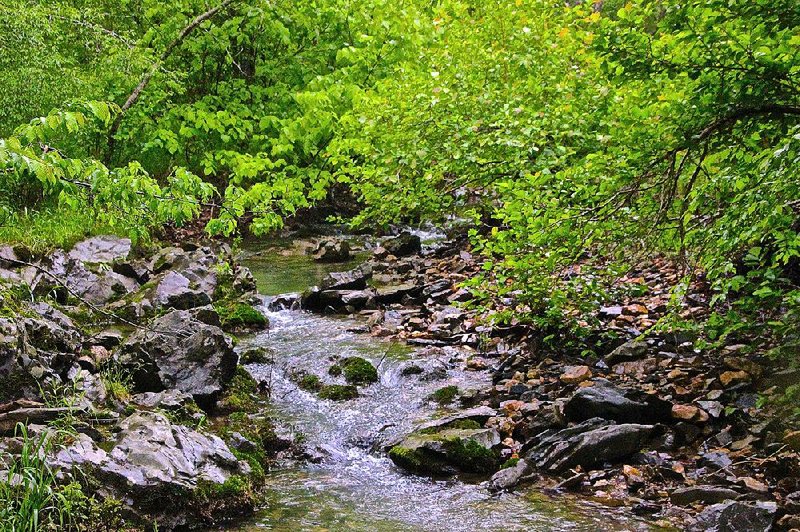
[(595, 135)]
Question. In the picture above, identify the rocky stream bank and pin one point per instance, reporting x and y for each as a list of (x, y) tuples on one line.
[(648, 421), (132, 360)]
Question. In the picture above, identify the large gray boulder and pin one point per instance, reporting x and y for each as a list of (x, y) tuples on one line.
[(155, 467), (101, 249), (592, 442), (178, 351)]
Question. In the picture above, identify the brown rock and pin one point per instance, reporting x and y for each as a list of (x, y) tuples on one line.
[(634, 309), (684, 412), (689, 413), (733, 377), (754, 485), (743, 364), (576, 374)]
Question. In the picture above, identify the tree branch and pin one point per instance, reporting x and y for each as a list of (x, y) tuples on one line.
[(148, 76)]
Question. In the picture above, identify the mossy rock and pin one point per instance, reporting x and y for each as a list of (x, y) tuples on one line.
[(448, 451), (338, 392), (255, 355), (310, 383), (238, 316), (241, 395), (445, 395), (357, 370), (468, 424)]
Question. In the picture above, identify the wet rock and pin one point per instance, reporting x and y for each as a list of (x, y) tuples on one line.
[(178, 351), (610, 312), (716, 459), (591, 442), (355, 279), (448, 451), (609, 402), (736, 517), (52, 331), (167, 400), (98, 288), (332, 251), (729, 378), (478, 414), (689, 413), (509, 477), (101, 249), (337, 300), (396, 293), (701, 493), (402, 245), (284, 302)]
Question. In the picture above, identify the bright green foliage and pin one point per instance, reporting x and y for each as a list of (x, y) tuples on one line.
[(569, 134), (32, 499)]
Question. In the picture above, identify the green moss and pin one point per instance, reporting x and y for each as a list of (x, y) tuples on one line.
[(445, 395), (457, 424), (240, 316), (241, 395), (511, 462), (357, 370), (469, 455), (335, 370), (234, 488), (407, 458), (256, 355), (338, 392), (310, 383)]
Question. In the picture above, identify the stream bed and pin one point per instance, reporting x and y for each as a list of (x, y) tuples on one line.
[(354, 486)]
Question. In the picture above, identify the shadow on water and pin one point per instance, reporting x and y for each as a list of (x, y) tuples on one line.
[(355, 487)]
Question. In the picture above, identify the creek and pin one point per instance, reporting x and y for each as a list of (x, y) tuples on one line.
[(354, 486)]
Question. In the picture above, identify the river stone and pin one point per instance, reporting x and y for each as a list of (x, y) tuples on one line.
[(396, 293), (592, 442), (508, 478), (355, 279), (609, 402), (179, 351), (174, 291), (704, 494), (736, 516), (332, 251), (154, 466), (633, 350), (448, 451), (403, 244), (480, 414), (336, 300), (101, 249)]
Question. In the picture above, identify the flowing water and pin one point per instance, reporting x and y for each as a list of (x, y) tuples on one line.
[(355, 486)]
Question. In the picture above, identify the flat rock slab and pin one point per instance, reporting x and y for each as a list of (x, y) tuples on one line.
[(101, 249), (592, 442)]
